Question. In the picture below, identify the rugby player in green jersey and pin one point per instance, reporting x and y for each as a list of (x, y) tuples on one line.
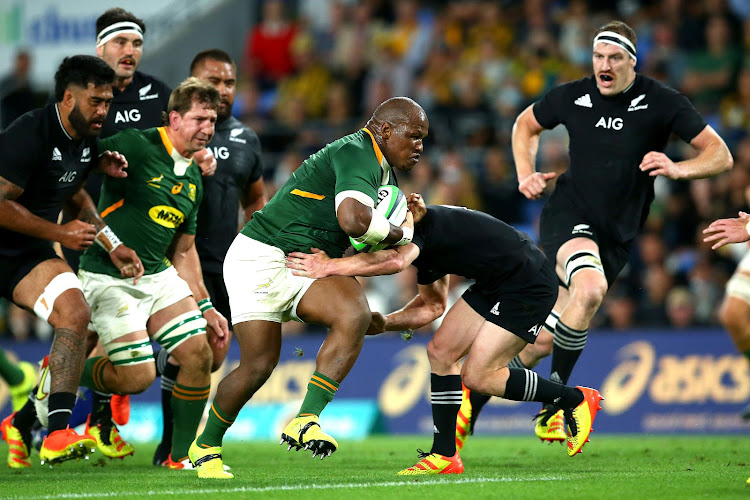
[(155, 209), (326, 200)]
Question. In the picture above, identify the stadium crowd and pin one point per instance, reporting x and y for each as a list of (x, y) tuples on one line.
[(313, 71)]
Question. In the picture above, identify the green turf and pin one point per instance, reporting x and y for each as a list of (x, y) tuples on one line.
[(612, 467)]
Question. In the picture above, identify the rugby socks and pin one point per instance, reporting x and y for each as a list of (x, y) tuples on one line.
[(9, 371), (60, 407), (93, 370), (168, 377), (26, 416), (187, 406), (568, 345), (478, 400), (101, 408), (320, 392), (216, 426), (525, 385), (445, 397)]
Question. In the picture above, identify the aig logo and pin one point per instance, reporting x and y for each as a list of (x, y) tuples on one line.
[(128, 116), (221, 153), (610, 123)]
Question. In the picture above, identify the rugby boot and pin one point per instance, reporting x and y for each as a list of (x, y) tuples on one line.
[(208, 462), (19, 393), (108, 440), (463, 420), (65, 444), (550, 424), (433, 463), (581, 418), (305, 433), (120, 404), (18, 447)]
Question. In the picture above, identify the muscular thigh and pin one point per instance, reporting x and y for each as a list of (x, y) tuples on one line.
[(493, 347), (331, 299), (30, 276), (458, 330)]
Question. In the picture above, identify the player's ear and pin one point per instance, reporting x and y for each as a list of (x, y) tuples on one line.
[(174, 120), (69, 99), (99, 51), (385, 130)]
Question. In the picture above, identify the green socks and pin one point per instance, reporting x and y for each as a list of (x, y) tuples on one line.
[(320, 392)]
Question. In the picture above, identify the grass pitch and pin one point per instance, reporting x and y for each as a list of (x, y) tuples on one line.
[(679, 467)]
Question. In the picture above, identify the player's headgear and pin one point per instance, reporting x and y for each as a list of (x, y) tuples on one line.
[(619, 34), (115, 22)]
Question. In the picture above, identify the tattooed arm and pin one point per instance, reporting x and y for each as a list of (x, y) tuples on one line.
[(76, 234)]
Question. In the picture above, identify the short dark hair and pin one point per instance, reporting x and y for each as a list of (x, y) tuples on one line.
[(212, 54), (189, 91), (81, 70), (117, 15), (620, 28)]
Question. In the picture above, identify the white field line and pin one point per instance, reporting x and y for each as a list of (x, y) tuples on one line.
[(266, 489)]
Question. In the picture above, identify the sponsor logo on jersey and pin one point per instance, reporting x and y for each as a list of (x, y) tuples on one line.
[(166, 216), (221, 153), (634, 104), (86, 155), (68, 176), (260, 289), (582, 229), (143, 93), (56, 155), (495, 309), (177, 188), (610, 123), (122, 311), (234, 136), (191, 191), (154, 181), (128, 116), (585, 101)]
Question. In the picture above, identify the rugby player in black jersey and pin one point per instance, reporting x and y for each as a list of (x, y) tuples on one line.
[(514, 290), (47, 155), (237, 183), (618, 122)]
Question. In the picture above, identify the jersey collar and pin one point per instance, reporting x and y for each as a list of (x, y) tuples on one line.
[(59, 120), (181, 163), (381, 159)]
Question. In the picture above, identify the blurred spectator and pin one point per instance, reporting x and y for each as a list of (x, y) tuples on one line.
[(308, 82), (267, 57), (680, 305), (16, 94)]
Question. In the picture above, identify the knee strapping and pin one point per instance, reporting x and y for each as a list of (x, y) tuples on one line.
[(738, 286), (59, 284), (585, 259), (179, 329), (133, 352)]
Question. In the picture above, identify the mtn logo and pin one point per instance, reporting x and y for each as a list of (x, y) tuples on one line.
[(584, 100)]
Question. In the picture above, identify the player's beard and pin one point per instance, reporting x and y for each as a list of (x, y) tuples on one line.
[(80, 124), (222, 115)]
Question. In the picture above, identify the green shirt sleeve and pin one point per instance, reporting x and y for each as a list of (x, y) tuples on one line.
[(357, 169)]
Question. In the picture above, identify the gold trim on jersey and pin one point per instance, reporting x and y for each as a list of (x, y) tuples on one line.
[(165, 140), (305, 194), (114, 206), (381, 159)]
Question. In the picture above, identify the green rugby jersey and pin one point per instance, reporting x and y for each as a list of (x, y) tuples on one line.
[(302, 214), (160, 196)]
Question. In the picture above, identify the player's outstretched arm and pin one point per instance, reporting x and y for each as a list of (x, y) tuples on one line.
[(426, 307), (113, 164), (367, 226), (725, 231), (713, 158), (318, 265), (188, 265)]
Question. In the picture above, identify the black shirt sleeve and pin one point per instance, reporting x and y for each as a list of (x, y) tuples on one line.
[(683, 119), (547, 110)]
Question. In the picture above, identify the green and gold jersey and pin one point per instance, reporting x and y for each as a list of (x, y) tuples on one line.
[(302, 214), (159, 197)]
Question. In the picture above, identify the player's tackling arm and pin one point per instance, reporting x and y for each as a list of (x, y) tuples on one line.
[(713, 158), (253, 199), (422, 310), (318, 265)]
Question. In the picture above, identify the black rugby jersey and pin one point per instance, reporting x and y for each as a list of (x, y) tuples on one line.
[(139, 106), (608, 138), (238, 164), (40, 157), (472, 244)]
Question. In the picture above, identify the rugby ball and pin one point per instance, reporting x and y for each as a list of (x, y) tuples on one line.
[(392, 205)]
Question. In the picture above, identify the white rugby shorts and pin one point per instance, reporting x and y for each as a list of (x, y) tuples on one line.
[(259, 284), (118, 307)]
